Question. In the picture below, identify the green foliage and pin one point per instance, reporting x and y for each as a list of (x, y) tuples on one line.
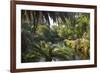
[(68, 40), (63, 52), (42, 30)]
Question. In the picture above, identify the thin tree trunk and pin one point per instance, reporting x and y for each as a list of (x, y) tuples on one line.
[(27, 17)]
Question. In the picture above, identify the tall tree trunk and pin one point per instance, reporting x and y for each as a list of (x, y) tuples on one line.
[(27, 17), (34, 27)]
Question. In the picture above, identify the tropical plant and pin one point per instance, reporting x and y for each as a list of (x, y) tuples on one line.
[(54, 36)]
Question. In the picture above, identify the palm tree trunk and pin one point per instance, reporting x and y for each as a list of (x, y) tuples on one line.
[(27, 17)]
